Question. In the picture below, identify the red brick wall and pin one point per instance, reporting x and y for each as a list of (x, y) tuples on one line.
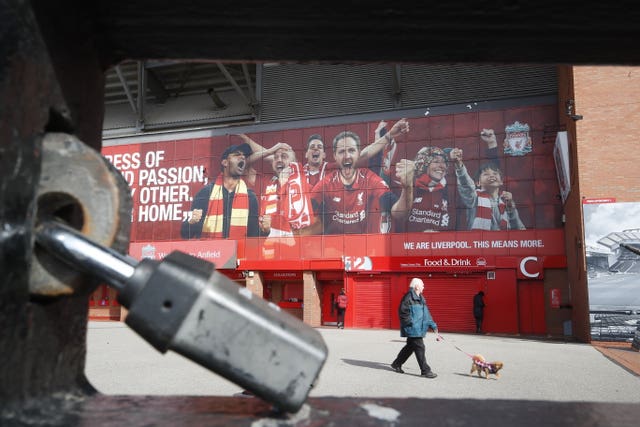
[(604, 142), (255, 284), (312, 314), (609, 134)]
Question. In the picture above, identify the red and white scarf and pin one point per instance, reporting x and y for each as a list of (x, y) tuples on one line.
[(297, 206), (424, 182), (484, 213), (212, 227), (288, 204)]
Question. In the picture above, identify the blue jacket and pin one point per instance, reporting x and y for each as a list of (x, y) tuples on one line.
[(415, 319)]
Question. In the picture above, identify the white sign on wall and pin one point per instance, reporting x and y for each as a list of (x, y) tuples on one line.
[(561, 158)]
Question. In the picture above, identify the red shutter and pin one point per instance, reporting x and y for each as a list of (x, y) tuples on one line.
[(450, 301), (531, 304), (371, 304)]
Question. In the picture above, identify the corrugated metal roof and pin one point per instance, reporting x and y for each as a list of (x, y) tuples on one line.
[(184, 95)]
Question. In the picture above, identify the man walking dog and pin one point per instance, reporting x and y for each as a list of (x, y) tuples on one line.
[(415, 321)]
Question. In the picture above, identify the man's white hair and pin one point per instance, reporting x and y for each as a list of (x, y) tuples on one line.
[(415, 282)]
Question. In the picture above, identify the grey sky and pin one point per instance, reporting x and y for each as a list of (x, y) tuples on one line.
[(602, 219)]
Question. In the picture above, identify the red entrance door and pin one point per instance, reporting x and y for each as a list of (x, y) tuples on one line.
[(531, 307), (330, 291), (371, 303)]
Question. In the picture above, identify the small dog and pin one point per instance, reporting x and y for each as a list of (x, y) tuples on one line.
[(479, 365)]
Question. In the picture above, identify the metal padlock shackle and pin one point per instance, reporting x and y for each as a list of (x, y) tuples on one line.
[(84, 255)]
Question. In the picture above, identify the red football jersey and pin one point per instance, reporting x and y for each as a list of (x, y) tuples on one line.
[(429, 212), (351, 209), (314, 177)]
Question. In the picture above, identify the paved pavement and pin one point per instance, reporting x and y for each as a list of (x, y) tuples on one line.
[(621, 353), (119, 362)]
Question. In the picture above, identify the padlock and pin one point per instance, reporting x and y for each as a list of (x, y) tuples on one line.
[(182, 304)]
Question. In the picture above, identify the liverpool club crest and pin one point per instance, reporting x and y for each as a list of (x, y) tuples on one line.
[(148, 251), (517, 141)]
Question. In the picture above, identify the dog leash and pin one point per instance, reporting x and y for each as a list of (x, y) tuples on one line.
[(441, 338), (483, 364)]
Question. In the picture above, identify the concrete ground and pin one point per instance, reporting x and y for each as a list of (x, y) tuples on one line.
[(121, 363)]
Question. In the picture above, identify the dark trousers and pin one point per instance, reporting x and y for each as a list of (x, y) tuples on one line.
[(478, 324), (341, 316), (415, 346)]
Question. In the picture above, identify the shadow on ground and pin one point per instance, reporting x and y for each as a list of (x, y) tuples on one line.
[(368, 364)]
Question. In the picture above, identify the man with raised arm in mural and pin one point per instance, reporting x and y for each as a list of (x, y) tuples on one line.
[(285, 206)]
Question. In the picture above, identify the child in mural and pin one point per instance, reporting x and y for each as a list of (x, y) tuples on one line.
[(425, 206), (488, 207)]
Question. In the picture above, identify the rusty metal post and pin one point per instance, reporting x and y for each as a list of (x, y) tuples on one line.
[(42, 340)]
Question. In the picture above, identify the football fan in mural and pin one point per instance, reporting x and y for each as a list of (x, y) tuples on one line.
[(489, 207), (352, 200), (226, 207), (425, 206)]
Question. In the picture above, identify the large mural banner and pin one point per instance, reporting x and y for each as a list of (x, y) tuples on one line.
[(612, 237), (491, 173)]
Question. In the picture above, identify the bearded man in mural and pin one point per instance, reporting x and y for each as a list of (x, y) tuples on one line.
[(352, 199), (316, 167), (225, 208), (425, 205), (488, 206)]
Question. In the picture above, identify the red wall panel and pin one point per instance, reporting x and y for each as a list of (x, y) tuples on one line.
[(501, 299)]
